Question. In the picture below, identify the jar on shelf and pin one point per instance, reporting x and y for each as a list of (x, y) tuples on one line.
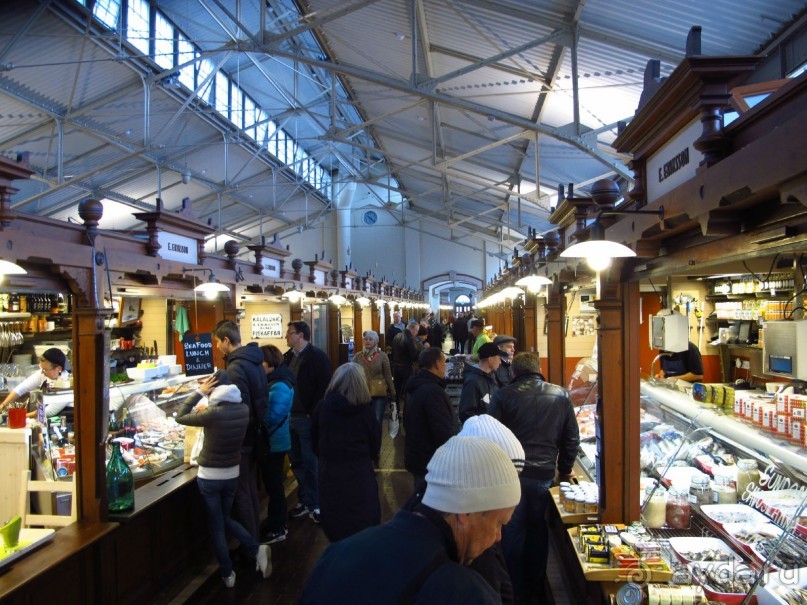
[(678, 510), (580, 504), (700, 490), (724, 491), (654, 513), (747, 474)]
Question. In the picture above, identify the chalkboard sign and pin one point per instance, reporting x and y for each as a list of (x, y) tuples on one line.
[(198, 354)]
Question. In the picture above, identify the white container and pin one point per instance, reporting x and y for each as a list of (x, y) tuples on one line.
[(142, 374), (167, 360)]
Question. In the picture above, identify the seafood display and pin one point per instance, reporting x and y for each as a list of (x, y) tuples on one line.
[(702, 549), (762, 541), (727, 579), (733, 513), (791, 596)]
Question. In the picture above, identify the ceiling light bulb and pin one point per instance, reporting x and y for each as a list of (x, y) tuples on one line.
[(599, 263)]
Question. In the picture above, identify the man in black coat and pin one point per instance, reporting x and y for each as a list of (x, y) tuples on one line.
[(430, 418), (459, 332), (541, 416), (312, 369), (245, 370), (507, 344), (479, 382), (406, 347)]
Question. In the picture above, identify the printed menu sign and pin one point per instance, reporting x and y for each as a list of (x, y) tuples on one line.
[(269, 325), (198, 354)]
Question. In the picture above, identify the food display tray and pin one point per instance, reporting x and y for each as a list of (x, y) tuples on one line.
[(30, 538), (687, 544), (598, 572), (571, 518)]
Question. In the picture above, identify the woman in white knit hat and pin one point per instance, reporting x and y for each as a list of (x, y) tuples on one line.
[(225, 421), (421, 555)]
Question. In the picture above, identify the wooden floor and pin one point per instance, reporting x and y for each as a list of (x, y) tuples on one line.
[(293, 559)]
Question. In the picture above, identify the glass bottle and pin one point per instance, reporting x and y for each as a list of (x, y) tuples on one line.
[(679, 509), (655, 511), (747, 475), (119, 482), (700, 490)]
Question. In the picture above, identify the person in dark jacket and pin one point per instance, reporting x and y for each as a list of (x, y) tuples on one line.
[(430, 418), (225, 421), (507, 344), (312, 369), (421, 556), (541, 416), (245, 370), (459, 332), (479, 382), (347, 438), (406, 347), (281, 394)]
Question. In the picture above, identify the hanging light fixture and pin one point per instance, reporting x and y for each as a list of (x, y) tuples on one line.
[(598, 251), (211, 288), (9, 268), (337, 299), (380, 303), (534, 283), (363, 301), (293, 295)]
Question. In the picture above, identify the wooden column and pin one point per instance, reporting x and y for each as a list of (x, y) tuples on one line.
[(618, 405), (529, 338), (334, 333), (555, 365), (358, 327)]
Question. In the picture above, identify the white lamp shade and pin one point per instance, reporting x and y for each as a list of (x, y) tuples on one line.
[(533, 283), (593, 248), (380, 302), (293, 295), (9, 268), (211, 286), (599, 263), (363, 301), (512, 292), (337, 299)]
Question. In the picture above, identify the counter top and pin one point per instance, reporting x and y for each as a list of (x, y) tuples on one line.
[(157, 490), (65, 544)]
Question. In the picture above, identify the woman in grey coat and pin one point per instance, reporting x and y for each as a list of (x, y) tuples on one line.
[(224, 419)]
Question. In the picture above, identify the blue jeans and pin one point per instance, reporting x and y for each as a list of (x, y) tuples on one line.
[(379, 407), (525, 540), (218, 499), (304, 463)]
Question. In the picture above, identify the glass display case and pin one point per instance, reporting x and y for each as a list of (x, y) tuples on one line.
[(141, 419)]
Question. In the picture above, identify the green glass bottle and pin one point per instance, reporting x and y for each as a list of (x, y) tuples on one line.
[(119, 482)]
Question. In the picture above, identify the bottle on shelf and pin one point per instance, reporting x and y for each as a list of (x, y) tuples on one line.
[(654, 514), (679, 510), (119, 482)]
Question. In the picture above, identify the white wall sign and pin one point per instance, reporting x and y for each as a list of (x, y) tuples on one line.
[(675, 163), (271, 268), (269, 325), (178, 247)]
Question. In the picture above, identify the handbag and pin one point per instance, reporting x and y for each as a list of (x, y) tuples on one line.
[(197, 448), (394, 423), (378, 387)]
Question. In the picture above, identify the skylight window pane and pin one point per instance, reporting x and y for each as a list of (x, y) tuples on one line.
[(223, 94), (164, 43), (186, 53), (107, 12), (203, 77), (137, 25), (250, 117), (237, 107), (262, 130)]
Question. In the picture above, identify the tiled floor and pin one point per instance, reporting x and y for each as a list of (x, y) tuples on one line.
[(293, 559)]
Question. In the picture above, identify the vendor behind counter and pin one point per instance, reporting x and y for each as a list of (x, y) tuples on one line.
[(51, 365)]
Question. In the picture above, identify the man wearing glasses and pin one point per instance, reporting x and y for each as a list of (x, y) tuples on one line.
[(312, 368)]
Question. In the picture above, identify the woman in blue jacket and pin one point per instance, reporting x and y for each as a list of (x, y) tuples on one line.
[(281, 395)]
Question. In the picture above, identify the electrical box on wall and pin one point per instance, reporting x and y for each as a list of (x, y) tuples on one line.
[(669, 331), (784, 351)]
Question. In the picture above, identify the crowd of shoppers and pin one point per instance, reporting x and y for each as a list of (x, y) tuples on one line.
[(480, 478)]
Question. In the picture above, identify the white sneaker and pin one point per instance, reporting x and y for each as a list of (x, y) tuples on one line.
[(263, 560), (229, 581)]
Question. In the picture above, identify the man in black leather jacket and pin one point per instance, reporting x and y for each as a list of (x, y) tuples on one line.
[(406, 347), (541, 416)]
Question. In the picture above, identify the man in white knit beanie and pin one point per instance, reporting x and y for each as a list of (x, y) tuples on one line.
[(421, 555)]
